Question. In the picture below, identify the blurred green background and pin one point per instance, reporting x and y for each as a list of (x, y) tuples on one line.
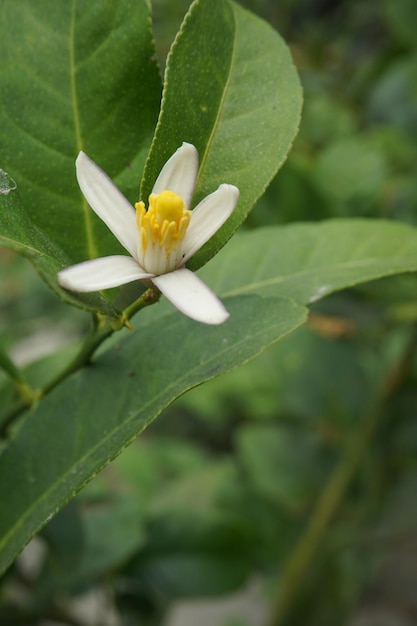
[(296, 474)]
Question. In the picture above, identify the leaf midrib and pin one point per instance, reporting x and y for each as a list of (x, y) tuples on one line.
[(348, 265), (86, 211), (206, 152)]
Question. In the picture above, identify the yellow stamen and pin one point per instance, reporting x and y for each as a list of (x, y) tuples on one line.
[(164, 223)]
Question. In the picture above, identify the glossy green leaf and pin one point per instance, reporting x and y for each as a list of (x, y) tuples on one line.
[(19, 233), (75, 75), (308, 261), (230, 89), (93, 415)]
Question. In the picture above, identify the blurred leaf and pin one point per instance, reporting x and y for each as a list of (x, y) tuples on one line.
[(113, 532), (197, 493), (325, 119), (19, 233), (269, 388), (398, 517), (191, 555), (65, 538), (108, 532), (231, 89), (401, 18), (293, 196), (394, 99), (82, 425), (282, 463), (351, 172), (75, 76), (152, 465)]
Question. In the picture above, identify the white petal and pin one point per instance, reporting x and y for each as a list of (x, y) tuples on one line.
[(208, 216), (191, 296), (103, 273), (108, 202), (179, 173)]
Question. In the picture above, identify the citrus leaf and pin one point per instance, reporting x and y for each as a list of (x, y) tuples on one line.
[(75, 76), (307, 261), (83, 424), (232, 90)]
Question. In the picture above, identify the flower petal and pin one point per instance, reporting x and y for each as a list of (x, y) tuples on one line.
[(191, 296), (103, 273), (107, 202), (179, 173), (208, 216)]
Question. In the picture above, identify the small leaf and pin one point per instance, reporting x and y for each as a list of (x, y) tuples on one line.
[(232, 90), (83, 424)]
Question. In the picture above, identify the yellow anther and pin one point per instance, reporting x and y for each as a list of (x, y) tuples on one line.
[(164, 223), (167, 206)]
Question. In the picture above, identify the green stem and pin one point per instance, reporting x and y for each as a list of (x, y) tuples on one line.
[(332, 496), (7, 365), (100, 331), (27, 394), (151, 296)]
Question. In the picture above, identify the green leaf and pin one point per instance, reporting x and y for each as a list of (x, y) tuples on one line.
[(231, 90), (74, 76), (306, 261), (111, 532), (83, 424), (19, 233), (393, 100), (400, 18), (273, 470), (65, 538), (189, 555), (351, 172)]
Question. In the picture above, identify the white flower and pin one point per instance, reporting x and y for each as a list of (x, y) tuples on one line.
[(160, 240)]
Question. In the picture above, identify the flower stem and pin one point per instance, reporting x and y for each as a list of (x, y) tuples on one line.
[(151, 296)]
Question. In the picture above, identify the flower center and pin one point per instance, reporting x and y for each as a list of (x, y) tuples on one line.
[(161, 228)]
